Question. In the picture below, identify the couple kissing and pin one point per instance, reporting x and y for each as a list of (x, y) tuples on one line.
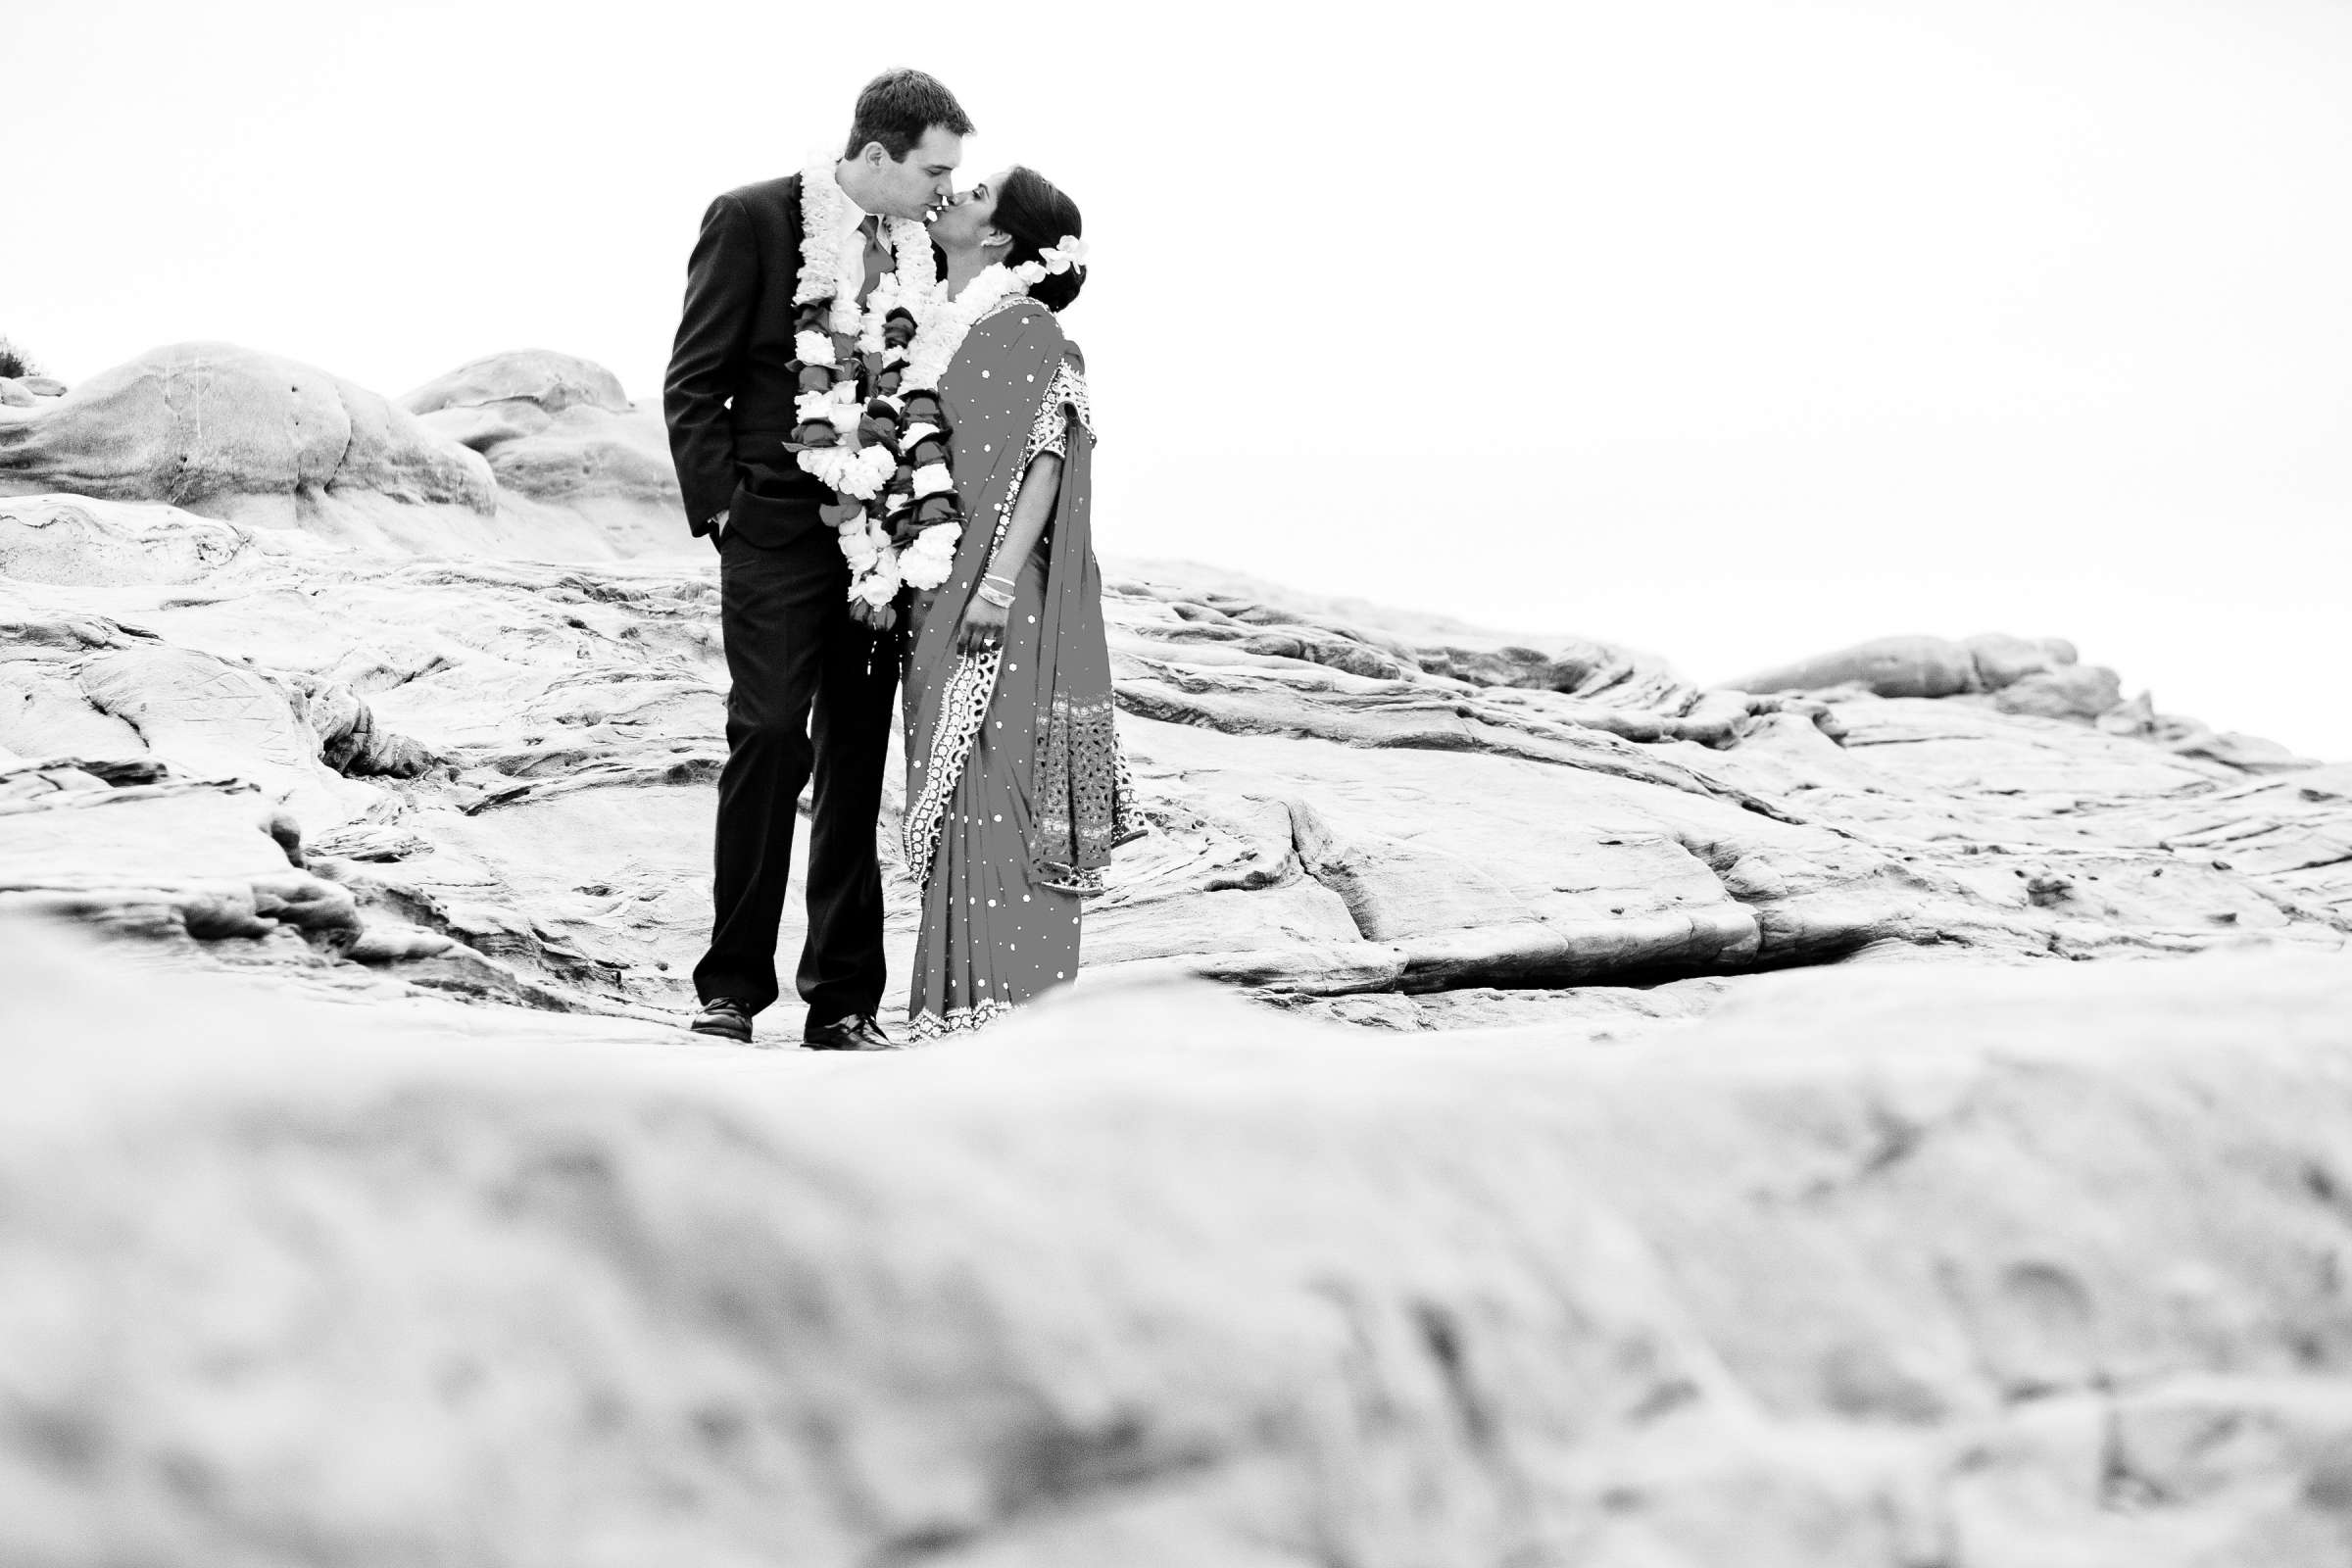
[(878, 422)]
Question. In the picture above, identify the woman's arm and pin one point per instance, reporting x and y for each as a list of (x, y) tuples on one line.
[(983, 625)]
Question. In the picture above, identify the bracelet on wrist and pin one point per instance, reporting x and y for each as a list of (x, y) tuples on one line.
[(1003, 601)]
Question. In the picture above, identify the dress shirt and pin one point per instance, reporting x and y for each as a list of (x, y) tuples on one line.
[(859, 231)]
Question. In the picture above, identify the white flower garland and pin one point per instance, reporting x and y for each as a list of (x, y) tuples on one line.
[(928, 559), (828, 272), (855, 472), (867, 457), (936, 339)]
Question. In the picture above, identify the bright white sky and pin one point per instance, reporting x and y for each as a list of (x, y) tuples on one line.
[(1737, 329)]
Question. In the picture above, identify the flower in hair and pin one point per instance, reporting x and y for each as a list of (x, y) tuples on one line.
[(1031, 274), (1071, 251)]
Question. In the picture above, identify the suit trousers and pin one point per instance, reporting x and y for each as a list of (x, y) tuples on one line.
[(810, 699)]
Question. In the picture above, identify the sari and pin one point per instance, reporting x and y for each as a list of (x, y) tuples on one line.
[(1017, 793)]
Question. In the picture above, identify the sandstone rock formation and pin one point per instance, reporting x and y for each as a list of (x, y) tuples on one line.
[(2017, 676), (248, 437), (242, 436), (518, 758), (1920, 666), (27, 391), (1728, 1157), (1955, 1266), (562, 438)]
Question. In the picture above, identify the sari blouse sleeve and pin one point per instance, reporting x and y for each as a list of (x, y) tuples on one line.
[(1066, 401)]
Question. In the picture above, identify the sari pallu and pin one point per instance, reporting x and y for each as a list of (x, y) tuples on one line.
[(1016, 790)]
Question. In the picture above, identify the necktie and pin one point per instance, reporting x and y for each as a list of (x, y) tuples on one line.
[(878, 254)]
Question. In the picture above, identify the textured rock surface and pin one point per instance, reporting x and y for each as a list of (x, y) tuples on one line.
[(1983, 1268), (76, 539), (361, 1200), (1569, 820)]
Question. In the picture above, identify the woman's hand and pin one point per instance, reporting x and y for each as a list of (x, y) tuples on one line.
[(982, 627)]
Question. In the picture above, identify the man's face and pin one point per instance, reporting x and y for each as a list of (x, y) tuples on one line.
[(924, 179)]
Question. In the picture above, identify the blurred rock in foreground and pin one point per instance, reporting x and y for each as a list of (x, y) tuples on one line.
[(1983, 1268)]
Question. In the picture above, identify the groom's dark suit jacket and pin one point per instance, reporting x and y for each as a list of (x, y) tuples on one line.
[(729, 397), (809, 689)]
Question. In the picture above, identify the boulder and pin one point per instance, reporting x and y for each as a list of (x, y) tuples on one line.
[(2038, 676), (612, 472), (548, 381), (561, 437), (2066, 691), (349, 740), (1886, 667), (228, 431), (251, 438), (2002, 660)]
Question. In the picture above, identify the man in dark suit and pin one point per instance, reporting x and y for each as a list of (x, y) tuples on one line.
[(812, 684)]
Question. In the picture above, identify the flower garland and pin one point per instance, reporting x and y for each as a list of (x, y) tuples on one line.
[(926, 516), (926, 513), (872, 422), (848, 359)]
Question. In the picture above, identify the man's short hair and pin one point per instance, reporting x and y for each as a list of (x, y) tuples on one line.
[(897, 107)]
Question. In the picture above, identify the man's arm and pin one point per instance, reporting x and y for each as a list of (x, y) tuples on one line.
[(723, 283)]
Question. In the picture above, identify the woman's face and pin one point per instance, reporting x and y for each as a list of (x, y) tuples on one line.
[(966, 222)]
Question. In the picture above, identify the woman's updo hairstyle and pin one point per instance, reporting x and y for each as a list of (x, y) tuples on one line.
[(1033, 210)]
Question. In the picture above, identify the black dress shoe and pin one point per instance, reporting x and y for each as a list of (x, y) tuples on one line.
[(725, 1017), (850, 1034)]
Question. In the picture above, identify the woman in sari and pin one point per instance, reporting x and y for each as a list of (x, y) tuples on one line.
[(1016, 790)]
